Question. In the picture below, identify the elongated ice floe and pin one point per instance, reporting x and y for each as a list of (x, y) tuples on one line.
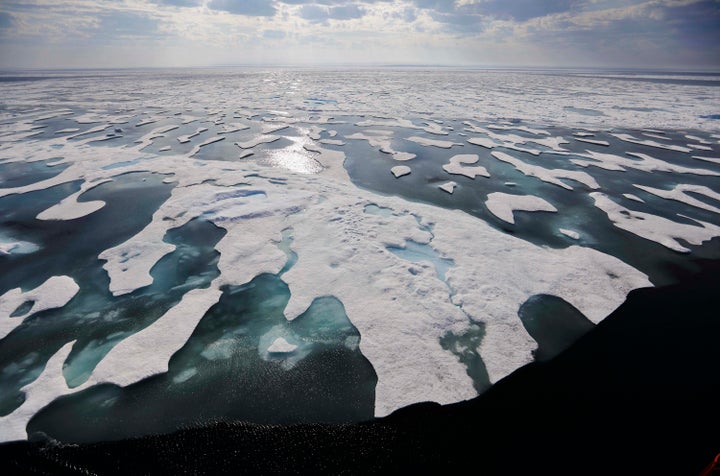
[(148, 351), (570, 233), (424, 141), (186, 138), (53, 293), (655, 228), (502, 205), (651, 143), (642, 162), (552, 176), (70, 208), (261, 139), (457, 166), (38, 394), (593, 141), (383, 141), (680, 193)]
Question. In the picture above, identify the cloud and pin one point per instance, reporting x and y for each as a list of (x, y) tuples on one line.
[(274, 34), (320, 13), (253, 8), (179, 3)]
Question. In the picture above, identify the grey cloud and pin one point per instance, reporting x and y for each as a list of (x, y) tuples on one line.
[(179, 3), (320, 13), (254, 8)]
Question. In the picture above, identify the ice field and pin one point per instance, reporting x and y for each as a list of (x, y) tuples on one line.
[(307, 245)]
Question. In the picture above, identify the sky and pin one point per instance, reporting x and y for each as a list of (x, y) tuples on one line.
[(668, 34)]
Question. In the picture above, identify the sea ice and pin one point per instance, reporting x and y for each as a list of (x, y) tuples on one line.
[(502, 205), (552, 176), (457, 166), (443, 144), (400, 170), (679, 193), (281, 346), (570, 233), (651, 143), (655, 228), (70, 208), (38, 394), (448, 187), (261, 139), (53, 293)]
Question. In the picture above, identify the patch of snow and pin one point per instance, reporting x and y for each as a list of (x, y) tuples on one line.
[(502, 205)]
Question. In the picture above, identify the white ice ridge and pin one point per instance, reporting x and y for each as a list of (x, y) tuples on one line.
[(430, 128), (281, 346), (70, 208), (209, 141), (715, 160), (53, 293), (655, 228), (502, 205), (651, 143), (552, 176), (457, 166), (38, 394), (642, 162), (424, 141), (679, 193), (400, 170)]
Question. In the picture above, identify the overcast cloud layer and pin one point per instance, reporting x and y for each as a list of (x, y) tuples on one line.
[(677, 34)]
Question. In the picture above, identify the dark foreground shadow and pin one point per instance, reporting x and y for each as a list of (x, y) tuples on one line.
[(639, 394)]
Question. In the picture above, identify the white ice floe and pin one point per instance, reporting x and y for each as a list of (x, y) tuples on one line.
[(714, 160), (186, 138), (457, 166), (635, 198), (424, 141), (698, 139), (655, 228), (679, 193), (502, 205), (70, 208), (261, 139), (148, 352), (642, 162), (700, 147), (332, 142), (209, 141), (484, 142), (233, 127), (593, 141), (54, 293), (570, 233), (271, 128), (552, 176), (651, 143), (38, 394), (448, 187), (400, 170), (516, 127), (383, 141), (281, 346)]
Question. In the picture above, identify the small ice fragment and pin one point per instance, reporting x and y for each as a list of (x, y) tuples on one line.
[(449, 187), (572, 234), (630, 196), (400, 170), (281, 346)]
